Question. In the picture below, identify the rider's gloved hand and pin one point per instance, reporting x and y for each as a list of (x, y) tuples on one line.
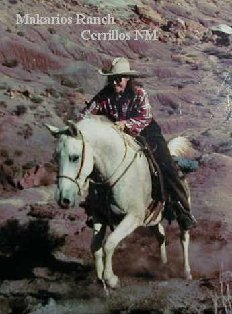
[(121, 125)]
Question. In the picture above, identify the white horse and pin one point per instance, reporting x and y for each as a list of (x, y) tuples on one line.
[(95, 142)]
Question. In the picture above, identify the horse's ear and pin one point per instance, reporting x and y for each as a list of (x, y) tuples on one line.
[(73, 128), (53, 130), (56, 131)]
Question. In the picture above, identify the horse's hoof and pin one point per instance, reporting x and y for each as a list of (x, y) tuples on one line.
[(188, 276), (113, 282), (164, 260)]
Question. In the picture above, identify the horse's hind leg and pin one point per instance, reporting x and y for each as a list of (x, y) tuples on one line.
[(160, 236), (126, 226), (96, 248), (185, 239)]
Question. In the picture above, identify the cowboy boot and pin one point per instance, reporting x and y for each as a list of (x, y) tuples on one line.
[(181, 206), (184, 217)]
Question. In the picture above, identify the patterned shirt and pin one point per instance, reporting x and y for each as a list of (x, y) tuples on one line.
[(132, 107)]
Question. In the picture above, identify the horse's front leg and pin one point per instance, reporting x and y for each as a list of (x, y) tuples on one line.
[(126, 226), (96, 247), (160, 235), (185, 239)]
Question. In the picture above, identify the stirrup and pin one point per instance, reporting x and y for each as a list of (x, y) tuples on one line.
[(186, 222)]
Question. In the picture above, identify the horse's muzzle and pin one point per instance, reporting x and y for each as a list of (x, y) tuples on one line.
[(65, 203), (65, 200)]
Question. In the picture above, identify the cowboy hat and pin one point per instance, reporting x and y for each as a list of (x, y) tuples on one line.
[(120, 66)]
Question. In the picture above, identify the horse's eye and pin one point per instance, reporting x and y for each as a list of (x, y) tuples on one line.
[(73, 158)]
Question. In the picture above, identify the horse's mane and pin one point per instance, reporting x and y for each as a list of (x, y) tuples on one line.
[(100, 118), (106, 121)]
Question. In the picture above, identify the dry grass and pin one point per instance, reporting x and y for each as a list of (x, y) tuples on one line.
[(222, 299), (228, 108), (223, 112)]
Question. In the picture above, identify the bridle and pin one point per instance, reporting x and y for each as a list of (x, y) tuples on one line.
[(76, 180), (109, 179)]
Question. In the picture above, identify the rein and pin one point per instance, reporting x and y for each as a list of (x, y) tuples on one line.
[(116, 170)]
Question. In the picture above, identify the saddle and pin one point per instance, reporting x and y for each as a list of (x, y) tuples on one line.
[(158, 187), (161, 195)]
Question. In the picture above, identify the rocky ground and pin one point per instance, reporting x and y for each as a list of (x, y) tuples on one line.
[(47, 73)]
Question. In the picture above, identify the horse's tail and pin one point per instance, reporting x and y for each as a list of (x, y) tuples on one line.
[(180, 146)]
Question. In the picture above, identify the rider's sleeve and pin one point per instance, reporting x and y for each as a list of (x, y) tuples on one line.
[(141, 115), (93, 107)]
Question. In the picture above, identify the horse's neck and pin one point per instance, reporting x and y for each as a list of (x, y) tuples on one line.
[(108, 146)]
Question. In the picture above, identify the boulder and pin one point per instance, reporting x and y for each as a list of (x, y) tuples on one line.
[(222, 28), (148, 15), (223, 33)]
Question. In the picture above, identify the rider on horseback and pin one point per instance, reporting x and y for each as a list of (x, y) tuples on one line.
[(126, 103)]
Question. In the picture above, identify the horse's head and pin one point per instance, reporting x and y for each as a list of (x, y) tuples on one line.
[(75, 161)]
